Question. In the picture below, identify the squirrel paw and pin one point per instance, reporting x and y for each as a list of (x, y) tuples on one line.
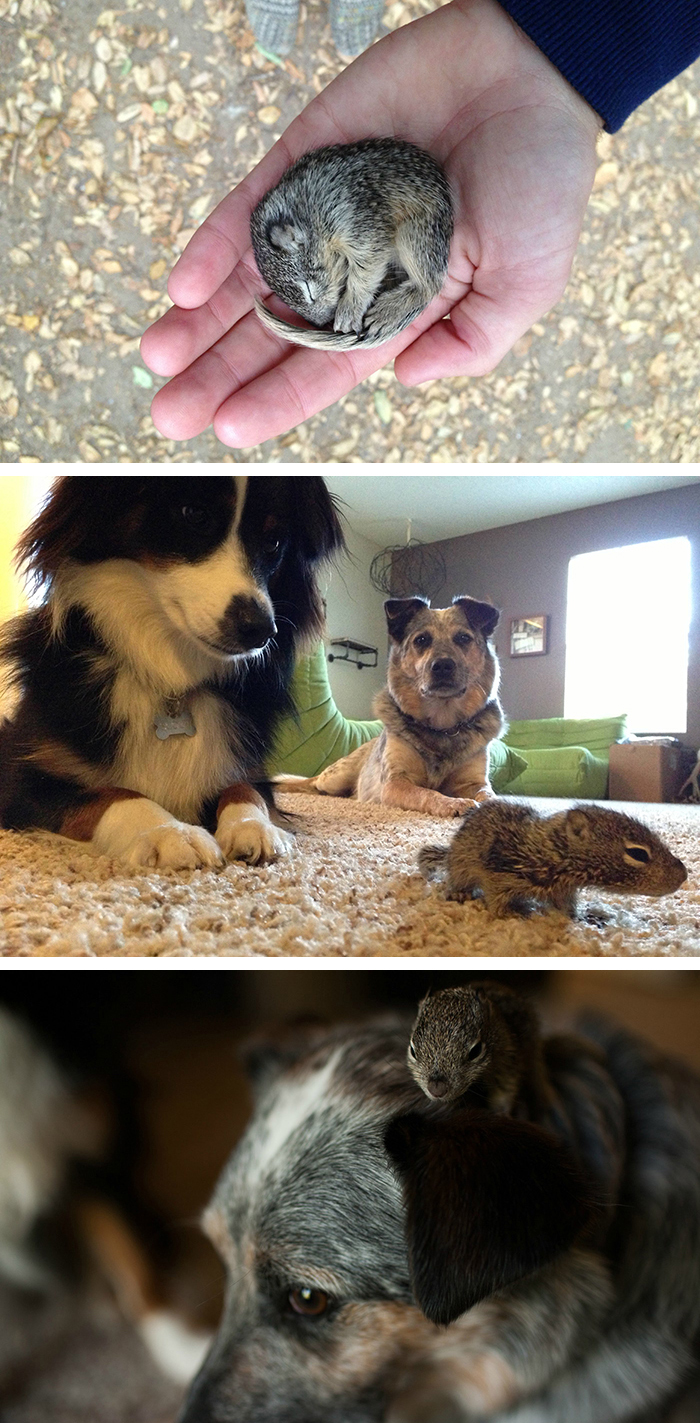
[(392, 312), (350, 312)]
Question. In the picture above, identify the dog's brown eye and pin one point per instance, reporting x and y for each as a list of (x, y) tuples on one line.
[(462, 639), (308, 1301), (422, 640), (271, 536), (475, 1052), (194, 515)]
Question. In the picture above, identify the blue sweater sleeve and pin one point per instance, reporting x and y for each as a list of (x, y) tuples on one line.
[(614, 52)]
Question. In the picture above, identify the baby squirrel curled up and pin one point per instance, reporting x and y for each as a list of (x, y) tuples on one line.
[(482, 1035), (512, 855), (357, 235)]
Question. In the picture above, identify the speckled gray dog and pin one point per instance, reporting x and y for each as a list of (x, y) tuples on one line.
[(391, 1261), (356, 236)]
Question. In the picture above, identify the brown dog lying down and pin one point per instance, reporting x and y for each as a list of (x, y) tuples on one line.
[(440, 711)]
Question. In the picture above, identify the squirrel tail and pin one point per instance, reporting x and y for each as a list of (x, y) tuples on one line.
[(322, 340), (431, 859)]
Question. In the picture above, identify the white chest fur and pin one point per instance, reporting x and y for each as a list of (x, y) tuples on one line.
[(181, 771)]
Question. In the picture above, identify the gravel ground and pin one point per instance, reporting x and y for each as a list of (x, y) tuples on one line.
[(121, 129)]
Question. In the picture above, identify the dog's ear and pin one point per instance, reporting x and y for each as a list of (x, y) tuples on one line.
[(482, 616), (400, 612), (79, 513), (266, 1055), (488, 1199), (317, 522)]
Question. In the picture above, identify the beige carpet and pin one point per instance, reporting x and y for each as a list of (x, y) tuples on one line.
[(350, 889)]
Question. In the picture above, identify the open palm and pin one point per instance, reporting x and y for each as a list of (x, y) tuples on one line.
[(518, 145)]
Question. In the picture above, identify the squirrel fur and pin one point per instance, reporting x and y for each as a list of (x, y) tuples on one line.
[(356, 236)]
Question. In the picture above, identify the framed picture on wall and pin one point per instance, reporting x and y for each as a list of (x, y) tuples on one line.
[(529, 635)]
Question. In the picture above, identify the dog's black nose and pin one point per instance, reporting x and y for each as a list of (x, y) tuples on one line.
[(438, 1086), (245, 626), (443, 669)]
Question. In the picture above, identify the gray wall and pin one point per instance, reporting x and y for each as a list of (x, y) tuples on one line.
[(523, 569), (355, 609)]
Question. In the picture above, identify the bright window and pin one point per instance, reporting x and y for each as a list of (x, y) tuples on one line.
[(627, 623)]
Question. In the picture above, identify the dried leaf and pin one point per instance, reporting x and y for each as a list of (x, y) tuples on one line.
[(142, 377), (382, 405), (185, 130)]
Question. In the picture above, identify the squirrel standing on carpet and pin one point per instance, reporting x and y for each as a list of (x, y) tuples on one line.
[(513, 855), (357, 235), (482, 1036)]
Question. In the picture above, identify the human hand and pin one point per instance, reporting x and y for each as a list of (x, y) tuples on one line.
[(518, 146)]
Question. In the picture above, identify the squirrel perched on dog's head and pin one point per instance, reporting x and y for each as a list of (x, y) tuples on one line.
[(481, 1036), (356, 236)]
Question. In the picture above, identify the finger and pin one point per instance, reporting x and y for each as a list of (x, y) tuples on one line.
[(298, 386), (187, 404), (218, 245), (302, 382), (181, 335)]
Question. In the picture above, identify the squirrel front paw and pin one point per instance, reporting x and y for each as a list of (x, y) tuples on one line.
[(350, 311)]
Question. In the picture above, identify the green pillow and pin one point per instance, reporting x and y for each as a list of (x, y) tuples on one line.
[(319, 734), (596, 734), (565, 771), (504, 765)]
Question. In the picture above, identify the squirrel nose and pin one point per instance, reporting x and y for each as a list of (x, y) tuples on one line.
[(437, 1086)]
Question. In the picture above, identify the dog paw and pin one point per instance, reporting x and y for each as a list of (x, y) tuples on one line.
[(448, 806), (175, 846), (254, 840)]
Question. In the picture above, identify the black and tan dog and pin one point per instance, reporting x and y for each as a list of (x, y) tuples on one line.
[(440, 711)]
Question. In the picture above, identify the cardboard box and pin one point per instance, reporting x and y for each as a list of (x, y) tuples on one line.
[(645, 770)]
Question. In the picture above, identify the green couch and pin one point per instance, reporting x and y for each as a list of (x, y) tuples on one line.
[(565, 757), (319, 734)]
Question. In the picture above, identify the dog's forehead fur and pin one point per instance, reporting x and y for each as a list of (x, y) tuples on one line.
[(310, 1187), (442, 622)]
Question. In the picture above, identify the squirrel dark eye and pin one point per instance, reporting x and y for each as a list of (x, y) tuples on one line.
[(309, 1302), (638, 853), (195, 515), (475, 1052), (412, 1050)]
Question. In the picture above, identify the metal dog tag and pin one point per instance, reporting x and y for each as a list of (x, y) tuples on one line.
[(181, 724)]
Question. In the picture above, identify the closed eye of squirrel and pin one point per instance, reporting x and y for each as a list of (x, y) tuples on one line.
[(481, 1035), (356, 236), (512, 855)]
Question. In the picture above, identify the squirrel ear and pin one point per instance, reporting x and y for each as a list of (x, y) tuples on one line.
[(287, 235), (482, 616), (400, 612), (578, 825), (488, 1199)]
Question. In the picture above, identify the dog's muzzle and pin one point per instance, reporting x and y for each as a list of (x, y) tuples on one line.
[(246, 626), (442, 675)]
